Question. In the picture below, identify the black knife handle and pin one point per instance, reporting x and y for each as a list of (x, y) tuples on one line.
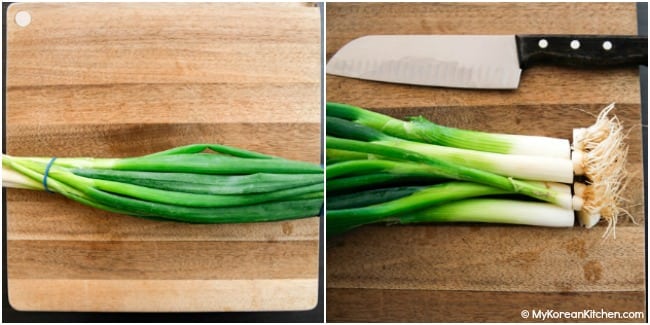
[(582, 51)]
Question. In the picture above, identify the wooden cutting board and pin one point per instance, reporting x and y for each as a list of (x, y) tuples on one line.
[(449, 273), (117, 80)]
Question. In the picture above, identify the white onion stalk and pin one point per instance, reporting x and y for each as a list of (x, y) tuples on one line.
[(520, 166), (536, 168), (452, 202), (14, 179), (495, 211)]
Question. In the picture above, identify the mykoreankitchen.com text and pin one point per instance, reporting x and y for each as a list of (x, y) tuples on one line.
[(550, 314)]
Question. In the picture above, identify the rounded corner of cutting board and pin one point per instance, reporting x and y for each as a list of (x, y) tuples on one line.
[(15, 301), (12, 10), (309, 304), (12, 7)]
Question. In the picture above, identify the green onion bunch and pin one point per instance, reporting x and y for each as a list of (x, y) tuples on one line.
[(382, 169), (200, 183)]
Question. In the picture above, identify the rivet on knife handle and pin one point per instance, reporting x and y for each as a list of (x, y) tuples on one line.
[(585, 51)]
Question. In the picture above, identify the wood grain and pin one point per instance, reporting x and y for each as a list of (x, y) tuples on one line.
[(264, 102), (291, 140), (380, 305), (458, 273), (161, 260), (164, 43), (486, 258), (154, 295), (127, 79)]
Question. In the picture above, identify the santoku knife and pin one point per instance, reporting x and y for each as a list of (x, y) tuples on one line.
[(478, 61)]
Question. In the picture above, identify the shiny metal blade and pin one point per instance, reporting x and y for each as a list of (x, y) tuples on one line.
[(461, 61)]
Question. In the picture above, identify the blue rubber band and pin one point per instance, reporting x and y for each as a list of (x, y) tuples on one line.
[(47, 171)]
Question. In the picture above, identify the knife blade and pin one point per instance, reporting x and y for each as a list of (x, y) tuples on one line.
[(479, 61)]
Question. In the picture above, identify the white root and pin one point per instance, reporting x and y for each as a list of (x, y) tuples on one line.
[(600, 155)]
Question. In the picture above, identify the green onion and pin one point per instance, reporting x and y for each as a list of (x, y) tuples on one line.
[(492, 210), (339, 220), (517, 166), (334, 156), (361, 167), (369, 197), (446, 170), (532, 176), (421, 130), (198, 163), (218, 148), (202, 183), (363, 182), (182, 184)]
